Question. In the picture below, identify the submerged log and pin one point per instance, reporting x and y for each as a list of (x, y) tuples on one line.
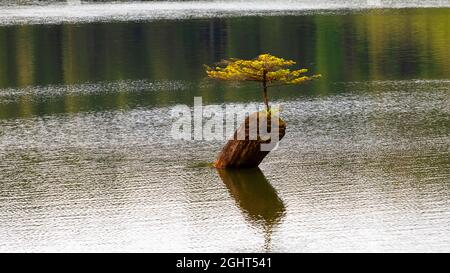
[(251, 142)]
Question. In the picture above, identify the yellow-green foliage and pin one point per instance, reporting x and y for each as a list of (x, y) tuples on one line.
[(265, 68)]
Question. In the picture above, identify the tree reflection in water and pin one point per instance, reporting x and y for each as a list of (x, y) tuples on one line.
[(257, 199)]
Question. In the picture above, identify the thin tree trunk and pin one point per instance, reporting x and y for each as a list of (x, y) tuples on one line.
[(266, 99)]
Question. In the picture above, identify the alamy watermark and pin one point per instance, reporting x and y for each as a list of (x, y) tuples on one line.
[(214, 122)]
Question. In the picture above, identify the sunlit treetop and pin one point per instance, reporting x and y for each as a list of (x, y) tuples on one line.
[(265, 68)]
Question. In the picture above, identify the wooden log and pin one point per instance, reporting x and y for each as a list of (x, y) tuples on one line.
[(244, 150)]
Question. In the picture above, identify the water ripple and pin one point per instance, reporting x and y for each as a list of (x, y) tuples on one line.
[(168, 10), (355, 172)]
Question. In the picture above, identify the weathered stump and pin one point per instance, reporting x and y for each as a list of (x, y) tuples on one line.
[(244, 150)]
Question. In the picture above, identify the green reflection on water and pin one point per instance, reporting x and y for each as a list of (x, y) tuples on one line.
[(355, 46)]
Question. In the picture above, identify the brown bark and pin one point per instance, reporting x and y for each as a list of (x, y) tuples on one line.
[(246, 153)]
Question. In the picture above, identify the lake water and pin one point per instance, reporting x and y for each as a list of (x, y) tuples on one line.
[(87, 162)]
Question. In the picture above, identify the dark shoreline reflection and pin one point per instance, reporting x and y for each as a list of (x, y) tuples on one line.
[(256, 198), (65, 68)]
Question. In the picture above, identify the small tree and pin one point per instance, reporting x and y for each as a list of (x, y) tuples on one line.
[(266, 69)]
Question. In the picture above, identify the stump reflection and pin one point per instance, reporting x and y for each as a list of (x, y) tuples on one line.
[(256, 198)]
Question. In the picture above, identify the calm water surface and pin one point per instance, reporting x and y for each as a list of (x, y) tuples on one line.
[(87, 163)]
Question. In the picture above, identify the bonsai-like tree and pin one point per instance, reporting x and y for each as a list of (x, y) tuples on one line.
[(267, 69)]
